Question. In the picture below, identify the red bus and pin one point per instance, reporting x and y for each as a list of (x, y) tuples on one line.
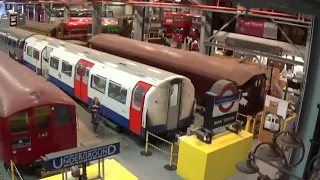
[(181, 26)]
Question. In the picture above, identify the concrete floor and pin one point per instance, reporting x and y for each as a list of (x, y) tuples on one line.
[(145, 168)]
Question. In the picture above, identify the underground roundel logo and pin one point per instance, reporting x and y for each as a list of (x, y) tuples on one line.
[(228, 91)]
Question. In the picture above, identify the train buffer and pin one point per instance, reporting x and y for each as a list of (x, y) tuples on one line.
[(69, 159)]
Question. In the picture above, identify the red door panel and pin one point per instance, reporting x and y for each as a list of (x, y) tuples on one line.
[(136, 107), (77, 80), (81, 79)]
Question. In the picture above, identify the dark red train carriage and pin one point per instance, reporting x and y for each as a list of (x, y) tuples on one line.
[(36, 118)]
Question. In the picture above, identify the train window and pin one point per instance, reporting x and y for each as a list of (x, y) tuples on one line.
[(36, 54), (116, 92), (63, 115), (19, 123), (13, 43), (78, 71), (21, 44), (137, 97), (98, 83), (42, 116), (29, 51), (85, 75), (66, 68), (54, 63), (174, 91), (46, 53)]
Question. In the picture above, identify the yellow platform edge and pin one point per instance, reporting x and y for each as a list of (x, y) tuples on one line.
[(112, 170)]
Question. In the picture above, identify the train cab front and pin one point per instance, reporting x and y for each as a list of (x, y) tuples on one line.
[(170, 105), (38, 131)]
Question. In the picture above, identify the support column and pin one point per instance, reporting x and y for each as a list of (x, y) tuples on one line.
[(161, 15), (66, 14), (2, 8), (47, 12), (96, 18), (138, 23), (308, 127), (14, 8), (35, 12), (206, 32), (23, 7)]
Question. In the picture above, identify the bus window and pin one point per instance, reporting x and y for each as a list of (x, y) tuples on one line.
[(18, 123), (63, 115), (42, 115)]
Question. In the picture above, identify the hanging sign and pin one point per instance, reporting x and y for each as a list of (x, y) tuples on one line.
[(257, 28)]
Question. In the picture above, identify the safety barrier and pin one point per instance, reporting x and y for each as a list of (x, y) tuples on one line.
[(15, 174), (251, 123), (147, 152)]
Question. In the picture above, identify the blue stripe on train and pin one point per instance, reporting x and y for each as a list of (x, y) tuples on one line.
[(69, 90), (29, 65), (32, 67)]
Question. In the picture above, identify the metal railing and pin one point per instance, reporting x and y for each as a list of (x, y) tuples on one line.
[(15, 174), (147, 152)]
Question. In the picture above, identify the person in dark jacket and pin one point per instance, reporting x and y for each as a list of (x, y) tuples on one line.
[(95, 115)]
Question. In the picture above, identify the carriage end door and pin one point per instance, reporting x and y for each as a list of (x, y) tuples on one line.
[(136, 107), (81, 79), (174, 103)]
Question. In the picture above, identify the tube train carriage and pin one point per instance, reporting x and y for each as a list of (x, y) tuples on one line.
[(33, 113), (133, 95), (202, 70), (12, 41)]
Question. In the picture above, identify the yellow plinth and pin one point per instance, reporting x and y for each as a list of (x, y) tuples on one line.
[(215, 161), (112, 170)]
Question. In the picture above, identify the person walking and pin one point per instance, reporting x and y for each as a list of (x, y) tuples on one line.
[(95, 115)]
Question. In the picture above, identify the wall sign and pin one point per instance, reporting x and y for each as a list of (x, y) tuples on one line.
[(222, 105), (8, 7), (13, 19)]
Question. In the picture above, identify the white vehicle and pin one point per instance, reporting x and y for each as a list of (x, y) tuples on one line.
[(272, 122), (133, 95)]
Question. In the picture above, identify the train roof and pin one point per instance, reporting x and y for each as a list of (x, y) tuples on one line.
[(137, 69), (22, 89), (16, 32), (212, 67)]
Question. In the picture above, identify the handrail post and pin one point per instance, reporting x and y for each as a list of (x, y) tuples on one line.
[(145, 152), (12, 170), (170, 166)]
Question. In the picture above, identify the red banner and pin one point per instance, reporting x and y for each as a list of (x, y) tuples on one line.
[(257, 28), (250, 27)]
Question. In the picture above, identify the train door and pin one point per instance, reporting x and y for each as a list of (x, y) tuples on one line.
[(174, 103), (81, 79), (64, 126), (136, 107), (45, 55), (41, 129), (37, 56)]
